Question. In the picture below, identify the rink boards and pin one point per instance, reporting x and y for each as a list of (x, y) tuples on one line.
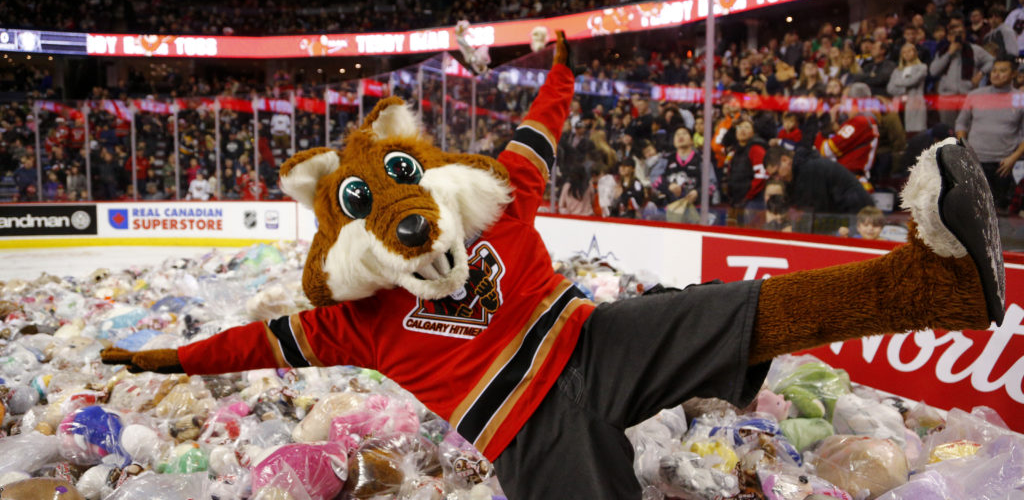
[(943, 369)]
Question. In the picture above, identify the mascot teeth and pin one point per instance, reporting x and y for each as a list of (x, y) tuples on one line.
[(436, 269)]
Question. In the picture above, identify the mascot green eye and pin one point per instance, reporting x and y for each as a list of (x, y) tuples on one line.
[(355, 198), (403, 168)]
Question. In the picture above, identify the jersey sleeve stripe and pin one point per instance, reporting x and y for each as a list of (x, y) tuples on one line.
[(275, 347), (300, 336), (503, 388), (289, 345), (537, 141), (543, 130), (531, 155), (833, 147)]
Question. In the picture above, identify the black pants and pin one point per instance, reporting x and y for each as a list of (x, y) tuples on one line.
[(634, 358), (1002, 187)]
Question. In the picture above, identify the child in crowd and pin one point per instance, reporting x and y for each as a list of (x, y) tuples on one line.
[(630, 191), (199, 188), (776, 215), (870, 221), (50, 186), (790, 134)]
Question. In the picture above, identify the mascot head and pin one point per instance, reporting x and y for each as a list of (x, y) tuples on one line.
[(393, 209)]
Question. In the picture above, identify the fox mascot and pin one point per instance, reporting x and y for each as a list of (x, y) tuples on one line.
[(426, 266)]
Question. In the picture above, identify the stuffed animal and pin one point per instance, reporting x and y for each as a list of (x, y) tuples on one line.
[(426, 267)]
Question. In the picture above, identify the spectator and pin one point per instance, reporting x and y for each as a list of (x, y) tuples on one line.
[(626, 149), (816, 183), (870, 221), (75, 181), (573, 147), (746, 174), (107, 176), (153, 192), (993, 127), (652, 165), (931, 17), (959, 67), (141, 166), (920, 142), (577, 195), (62, 194), (640, 127), (50, 186), (876, 70), (682, 175), (916, 37), (25, 175), (892, 140), (776, 214), (1002, 35), (855, 143), (730, 115), (1016, 18), (791, 50), (849, 66), (629, 194), (780, 82), (604, 152), (906, 85), (810, 82), (789, 134), (979, 27), (199, 188), (253, 187)]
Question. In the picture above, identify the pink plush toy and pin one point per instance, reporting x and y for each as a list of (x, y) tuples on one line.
[(224, 425), (380, 415), (315, 469), (773, 404)]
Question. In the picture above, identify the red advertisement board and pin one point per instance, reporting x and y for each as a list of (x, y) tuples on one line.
[(945, 369)]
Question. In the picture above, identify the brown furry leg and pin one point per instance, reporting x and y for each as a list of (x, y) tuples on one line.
[(909, 288)]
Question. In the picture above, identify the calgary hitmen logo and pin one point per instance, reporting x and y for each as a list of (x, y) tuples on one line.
[(467, 312)]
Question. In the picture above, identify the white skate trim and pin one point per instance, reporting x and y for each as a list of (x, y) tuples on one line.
[(921, 197)]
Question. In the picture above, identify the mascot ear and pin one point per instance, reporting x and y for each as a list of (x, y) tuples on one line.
[(300, 174), (392, 118)]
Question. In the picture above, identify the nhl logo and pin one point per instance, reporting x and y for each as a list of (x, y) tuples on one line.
[(250, 219)]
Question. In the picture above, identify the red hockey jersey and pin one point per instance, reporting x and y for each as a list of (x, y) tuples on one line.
[(854, 145), (483, 358)]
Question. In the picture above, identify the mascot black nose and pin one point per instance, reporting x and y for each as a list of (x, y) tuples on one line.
[(413, 231)]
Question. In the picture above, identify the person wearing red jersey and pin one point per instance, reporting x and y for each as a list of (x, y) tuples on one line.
[(427, 267), (855, 143), (746, 172), (252, 186)]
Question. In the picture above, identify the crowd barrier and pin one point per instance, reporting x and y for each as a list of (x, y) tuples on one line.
[(943, 369)]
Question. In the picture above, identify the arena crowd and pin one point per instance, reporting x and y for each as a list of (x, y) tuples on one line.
[(858, 105)]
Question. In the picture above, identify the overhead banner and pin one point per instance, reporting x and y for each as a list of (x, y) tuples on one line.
[(624, 19)]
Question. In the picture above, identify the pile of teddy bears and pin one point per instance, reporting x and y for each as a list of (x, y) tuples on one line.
[(75, 428)]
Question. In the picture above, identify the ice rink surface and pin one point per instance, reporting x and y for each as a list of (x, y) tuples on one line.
[(29, 263)]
